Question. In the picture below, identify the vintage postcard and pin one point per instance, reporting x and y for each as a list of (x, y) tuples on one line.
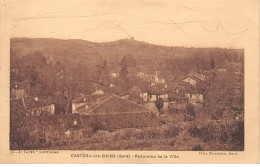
[(142, 81)]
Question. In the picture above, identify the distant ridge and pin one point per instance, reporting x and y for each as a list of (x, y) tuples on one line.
[(128, 41), (78, 51)]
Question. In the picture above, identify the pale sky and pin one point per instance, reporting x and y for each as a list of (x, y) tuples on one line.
[(196, 23)]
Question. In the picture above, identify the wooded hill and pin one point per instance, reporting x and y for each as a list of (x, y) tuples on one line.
[(90, 53)]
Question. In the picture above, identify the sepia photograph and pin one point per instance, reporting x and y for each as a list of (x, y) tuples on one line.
[(144, 75), (125, 95)]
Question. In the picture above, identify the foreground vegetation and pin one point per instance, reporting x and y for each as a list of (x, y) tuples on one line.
[(175, 134)]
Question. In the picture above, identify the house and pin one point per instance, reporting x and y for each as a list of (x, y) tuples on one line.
[(200, 76), (194, 78), (141, 75), (19, 90), (182, 85), (17, 93), (39, 106), (114, 112), (33, 106), (146, 77), (98, 92), (221, 70), (158, 91), (145, 88), (85, 101), (14, 70), (78, 102), (191, 80), (194, 97), (115, 72)]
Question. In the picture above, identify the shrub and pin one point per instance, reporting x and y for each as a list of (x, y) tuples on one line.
[(194, 131), (190, 110), (197, 148), (237, 134), (231, 133)]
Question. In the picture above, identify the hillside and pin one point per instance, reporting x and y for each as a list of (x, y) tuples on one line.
[(92, 53)]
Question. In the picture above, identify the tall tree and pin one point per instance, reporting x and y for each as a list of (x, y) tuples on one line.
[(212, 63), (123, 73), (128, 60)]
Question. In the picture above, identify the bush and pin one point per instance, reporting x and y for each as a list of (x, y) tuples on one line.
[(231, 133), (190, 110), (194, 131), (237, 134), (197, 148)]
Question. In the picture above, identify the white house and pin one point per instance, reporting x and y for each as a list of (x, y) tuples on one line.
[(144, 96), (190, 80), (114, 74), (76, 106), (193, 78), (194, 98), (221, 70), (158, 91)]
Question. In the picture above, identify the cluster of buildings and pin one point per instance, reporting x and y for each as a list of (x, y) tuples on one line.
[(23, 102), (112, 106), (176, 95)]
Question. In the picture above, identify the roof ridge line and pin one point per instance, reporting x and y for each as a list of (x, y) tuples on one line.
[(132, 102), (100, 104)]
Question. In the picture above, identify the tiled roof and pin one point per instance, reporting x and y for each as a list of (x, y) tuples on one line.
[(86, 98), (113, 104), (176, 95), (117, 91), (29, 103), (197, 76), (191, 90), (159, 89)]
